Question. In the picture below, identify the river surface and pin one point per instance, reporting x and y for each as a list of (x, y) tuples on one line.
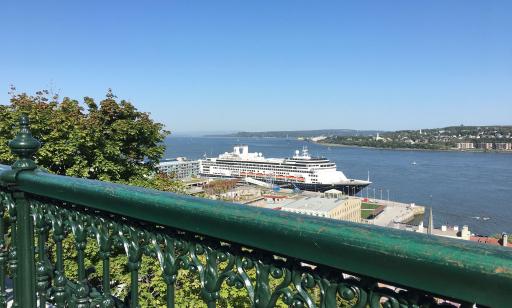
[(463, 188)]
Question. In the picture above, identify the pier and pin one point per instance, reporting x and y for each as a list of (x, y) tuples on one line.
[(393, 212)]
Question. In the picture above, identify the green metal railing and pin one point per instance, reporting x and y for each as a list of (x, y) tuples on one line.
[(276, 257)]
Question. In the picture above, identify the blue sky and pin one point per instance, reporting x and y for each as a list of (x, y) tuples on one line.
[(270, 65)]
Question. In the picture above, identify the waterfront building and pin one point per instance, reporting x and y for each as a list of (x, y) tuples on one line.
[(465, 145), (318, 138), (503, 146), (342, 208), (180, 168), (485, 145)]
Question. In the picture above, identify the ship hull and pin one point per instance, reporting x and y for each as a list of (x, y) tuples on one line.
[(347, 188)]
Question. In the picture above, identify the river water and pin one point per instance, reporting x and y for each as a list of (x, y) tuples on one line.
[(463, 188)]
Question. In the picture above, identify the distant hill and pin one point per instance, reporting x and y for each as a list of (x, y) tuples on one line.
[(302, 133), (483, 138)]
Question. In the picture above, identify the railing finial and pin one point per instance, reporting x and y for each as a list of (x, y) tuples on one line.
[(24, 146)]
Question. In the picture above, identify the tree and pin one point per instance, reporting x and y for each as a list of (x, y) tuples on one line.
[(219, 187), (112, 141), (160, 181)]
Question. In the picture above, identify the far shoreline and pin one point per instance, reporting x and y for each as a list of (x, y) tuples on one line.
[(354, 146), (409, 149)]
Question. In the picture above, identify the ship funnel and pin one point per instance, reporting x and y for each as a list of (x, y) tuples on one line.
[(245, 149)]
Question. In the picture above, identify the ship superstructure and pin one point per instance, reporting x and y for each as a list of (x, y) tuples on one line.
[(300, 171)]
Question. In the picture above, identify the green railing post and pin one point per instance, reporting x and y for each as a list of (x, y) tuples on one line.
[(26, 288), (3, 251), (24, 146)]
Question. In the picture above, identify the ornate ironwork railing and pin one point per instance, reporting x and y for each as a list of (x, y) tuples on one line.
[(276, 258)]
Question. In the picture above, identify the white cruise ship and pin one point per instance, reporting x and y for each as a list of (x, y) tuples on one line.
[(301, 171)]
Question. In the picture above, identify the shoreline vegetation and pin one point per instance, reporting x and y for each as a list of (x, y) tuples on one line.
[(477, 139), (484, 139), (300, 133), (410, 149), (320, 142)]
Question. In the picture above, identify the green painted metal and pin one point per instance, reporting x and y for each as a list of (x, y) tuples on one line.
[(26, 286), (3, 251), (12, 256), (231, 264), (24, 146), (434, 264), (57, 223), (42, 268), (104, 241)]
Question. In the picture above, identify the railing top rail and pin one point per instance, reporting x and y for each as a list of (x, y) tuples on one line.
[(448, 267)]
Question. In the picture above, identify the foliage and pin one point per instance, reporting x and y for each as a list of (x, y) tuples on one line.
[(392, 144), (159, 181), (109, 141), (370, 206), (218, 187), (152, 288)]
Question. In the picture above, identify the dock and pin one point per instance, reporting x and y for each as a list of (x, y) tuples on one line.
[(393, 212)]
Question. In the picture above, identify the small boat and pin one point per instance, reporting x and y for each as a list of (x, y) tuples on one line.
[(413, 163)]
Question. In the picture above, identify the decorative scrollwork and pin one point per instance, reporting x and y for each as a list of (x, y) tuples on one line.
[(78, 224), (4, 200), (55, 216), (100, 229), (43, 264), (269, 280)]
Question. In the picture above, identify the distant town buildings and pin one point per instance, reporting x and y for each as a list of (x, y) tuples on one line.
[(487, 146), (180, 168), (498, 138), (465, 145), (318, 138), (503, 146), (378, 137)]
